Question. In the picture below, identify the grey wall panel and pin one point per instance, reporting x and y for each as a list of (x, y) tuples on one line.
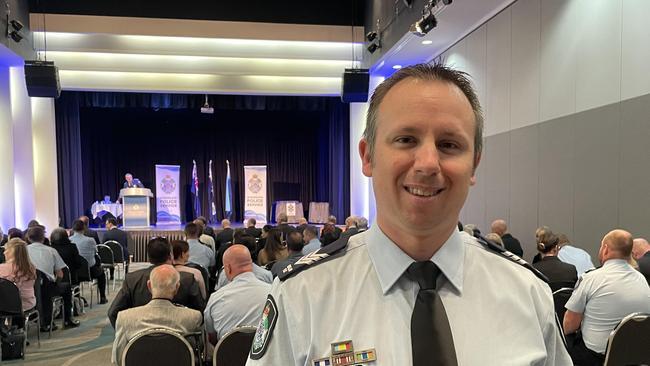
[(496, 162), (556, 140), (595, 175), (524, 188), (634, 182)]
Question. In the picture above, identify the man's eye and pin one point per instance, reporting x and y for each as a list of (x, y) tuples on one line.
[(405, 140), (448, 145)]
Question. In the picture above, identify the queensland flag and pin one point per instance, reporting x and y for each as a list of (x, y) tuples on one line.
[(228, 205), (213, 207), (195, 191)]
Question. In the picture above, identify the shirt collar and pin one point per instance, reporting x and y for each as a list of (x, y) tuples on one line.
[(390, 262), (614, 262), (245, 276)]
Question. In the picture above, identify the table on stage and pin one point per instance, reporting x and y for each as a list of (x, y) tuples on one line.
[(113, 208), (293, 209)]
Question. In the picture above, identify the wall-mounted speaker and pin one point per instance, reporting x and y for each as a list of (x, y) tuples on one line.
[(355, 86), (42, 79)]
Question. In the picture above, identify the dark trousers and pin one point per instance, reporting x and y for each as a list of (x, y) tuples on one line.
[(97, 272), (50, 289), (583, 356)]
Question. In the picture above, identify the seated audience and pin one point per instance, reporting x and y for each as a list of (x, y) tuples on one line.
[(295, 244), (239, 303), (302, 224), (362, 223), (204, 238), (47, 260), (330, 232), (283, 225), (181, 255), (273, 249), (225, 235), (495, 239), (559, 274), (603, 297), (19, 270), (160, 312), (87, 231), (251, 229), (261, 273), (200, 253), (641, 253), (120, 236), (574, 255), (134, 291), (207, 230), (15, 232), (88, 250), (68, 251), (310, 235), (510, 243), (261, 242)]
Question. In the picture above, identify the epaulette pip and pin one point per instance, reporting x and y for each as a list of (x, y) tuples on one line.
[(336, 249), (510, 256)]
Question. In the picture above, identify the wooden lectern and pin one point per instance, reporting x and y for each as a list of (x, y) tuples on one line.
[(135, 207)]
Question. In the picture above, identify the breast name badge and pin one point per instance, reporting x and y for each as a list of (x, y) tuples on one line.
[(343, 354)]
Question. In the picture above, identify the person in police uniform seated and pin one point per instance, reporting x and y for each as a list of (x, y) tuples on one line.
[(603, 297), (160, 312), (379, 300)]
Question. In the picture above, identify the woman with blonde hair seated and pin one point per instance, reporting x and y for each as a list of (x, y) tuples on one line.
[(19, 269)]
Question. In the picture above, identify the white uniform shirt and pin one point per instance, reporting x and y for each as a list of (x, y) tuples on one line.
[(239, 303), (499, 312), (200, 254), (576, 256), (262, 274), (45, 259), (605, 296), (312, 246)]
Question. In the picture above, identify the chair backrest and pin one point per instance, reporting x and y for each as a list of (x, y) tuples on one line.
[(105, 254), (628, 342), (10, 295), (560, 298), (160, 347), (233, 348), (83, 272), (116, 247)]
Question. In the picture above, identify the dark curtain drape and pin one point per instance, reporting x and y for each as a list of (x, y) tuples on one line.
[(302, 140)]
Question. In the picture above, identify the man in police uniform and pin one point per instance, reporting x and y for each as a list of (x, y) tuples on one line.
[(421, 146), (603, 297)]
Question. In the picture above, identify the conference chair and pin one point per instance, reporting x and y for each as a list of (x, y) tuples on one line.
[(11, 306), (83, 274), (77, 299), (560, 298), (107, 257), (160, 347), (628, 342), (118, 257), (232, 349)]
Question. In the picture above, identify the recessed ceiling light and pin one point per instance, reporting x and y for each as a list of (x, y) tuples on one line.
[(426, 41), (397, 67)]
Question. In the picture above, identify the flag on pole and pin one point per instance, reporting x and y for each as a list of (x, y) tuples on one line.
[(228, 204), (195, 191), (213, 207)]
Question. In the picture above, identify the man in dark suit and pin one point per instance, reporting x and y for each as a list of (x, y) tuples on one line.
[(302, 224), (87, 231), (134, 291), (283, 225), (251, 229), (132, 182), (510, 243), (225, 235), (641, 252), (122, 237)]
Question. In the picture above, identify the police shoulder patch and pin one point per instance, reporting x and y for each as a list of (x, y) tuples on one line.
[(323, 254), (264, 329)]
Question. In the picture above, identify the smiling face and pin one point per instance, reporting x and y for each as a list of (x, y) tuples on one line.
[(423, 163)]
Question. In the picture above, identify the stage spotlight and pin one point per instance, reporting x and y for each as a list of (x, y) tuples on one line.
[(16, 25), (15, 36), (373, 47), (425, 24), (370, 36)]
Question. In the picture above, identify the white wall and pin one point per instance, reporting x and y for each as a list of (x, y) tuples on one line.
[(45, 165), (7, 211)]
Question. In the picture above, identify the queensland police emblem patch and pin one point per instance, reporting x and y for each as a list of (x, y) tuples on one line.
[(264, 329), (255, 184), (167, 184)]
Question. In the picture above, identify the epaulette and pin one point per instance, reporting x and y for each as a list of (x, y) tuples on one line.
[(328, 252), (591, 270), (510, 256)]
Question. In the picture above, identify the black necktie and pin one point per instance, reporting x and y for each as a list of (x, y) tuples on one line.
[(431, 339)]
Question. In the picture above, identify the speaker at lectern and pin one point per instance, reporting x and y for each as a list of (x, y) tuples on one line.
[(135, 207)]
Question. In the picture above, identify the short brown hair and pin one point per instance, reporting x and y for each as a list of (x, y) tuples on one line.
[(431, 72), (179, 247)]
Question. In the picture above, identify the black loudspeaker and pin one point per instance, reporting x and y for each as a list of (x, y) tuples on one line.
[(355, 86), (42, 79)]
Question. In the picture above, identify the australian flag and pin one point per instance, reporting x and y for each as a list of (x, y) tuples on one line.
[(213, 207), (228, 204), (195, 191)]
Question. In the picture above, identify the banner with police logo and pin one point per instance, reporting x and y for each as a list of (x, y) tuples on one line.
[(255, 196), (168, 204)]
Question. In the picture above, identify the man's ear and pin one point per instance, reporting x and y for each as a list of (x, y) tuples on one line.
[(477, 160), (149, 285), (366, 159)]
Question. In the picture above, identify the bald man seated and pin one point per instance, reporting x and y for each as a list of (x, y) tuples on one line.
[(641, 253), (160, 312), (603, 297), (239, 303), (510, 243)]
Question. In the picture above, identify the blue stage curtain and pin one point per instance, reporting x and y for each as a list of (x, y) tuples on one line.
[(302, 140)]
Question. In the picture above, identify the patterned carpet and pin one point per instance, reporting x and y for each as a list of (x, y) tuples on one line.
[(89, 344)]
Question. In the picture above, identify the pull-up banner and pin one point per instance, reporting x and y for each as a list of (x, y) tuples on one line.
[(168, 204), (255, 196)]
